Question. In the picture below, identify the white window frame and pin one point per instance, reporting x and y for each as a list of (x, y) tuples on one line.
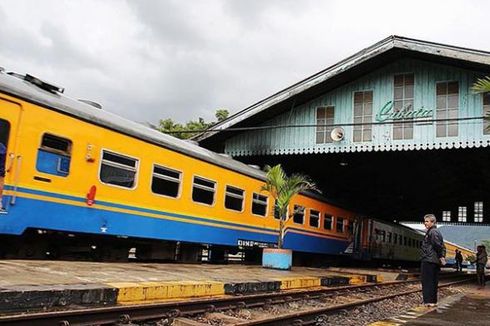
[(403, 125), (204, 188), (343, 224), (446, 123), (353, 96), (332, 222), (462, 214), (446, 216), (478, 212), (304, 214), (181, 177), (117, 165), (318, 216), (266, 204), (235, 196), (327, 129)]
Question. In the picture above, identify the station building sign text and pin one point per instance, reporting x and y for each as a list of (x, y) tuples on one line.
[(387, 113)]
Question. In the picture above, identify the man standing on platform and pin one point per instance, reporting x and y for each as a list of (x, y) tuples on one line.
[(433, 255), (3, 154), (459, 261)]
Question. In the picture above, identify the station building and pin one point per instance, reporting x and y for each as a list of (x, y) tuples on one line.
[(393, 131)]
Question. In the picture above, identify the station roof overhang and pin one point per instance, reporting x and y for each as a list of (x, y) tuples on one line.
[(396, 185), (365, 61)]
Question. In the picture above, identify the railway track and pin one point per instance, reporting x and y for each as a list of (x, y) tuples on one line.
[(169, 311)]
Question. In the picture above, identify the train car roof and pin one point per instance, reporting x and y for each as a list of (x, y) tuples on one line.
[(459, 246), (39, 92)]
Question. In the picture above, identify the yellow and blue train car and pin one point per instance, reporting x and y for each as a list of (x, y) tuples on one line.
[(78, 172)]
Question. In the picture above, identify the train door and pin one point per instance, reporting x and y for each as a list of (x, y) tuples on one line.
[(10, 114), (357, 236)]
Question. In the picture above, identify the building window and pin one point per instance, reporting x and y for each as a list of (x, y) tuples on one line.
[(203, 191), (259, 204), (299, 214), (234, 198), (363, 113), (340, 225), (462, 214), (446, 216), (314, 218), (118, 170), (324, 122), (327, 222), (165, 181), (54, 155), (403, 101), (486, 113), (479, 212), (447, 108)]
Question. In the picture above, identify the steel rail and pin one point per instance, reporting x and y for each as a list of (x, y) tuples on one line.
[(123, 313), (314, 316)]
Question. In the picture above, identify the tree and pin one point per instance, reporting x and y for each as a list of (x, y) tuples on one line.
[(221, 114), (482, 85), (168, 126), (283, 188)]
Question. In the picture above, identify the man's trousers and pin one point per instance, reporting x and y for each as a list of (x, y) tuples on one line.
[(430, 279)]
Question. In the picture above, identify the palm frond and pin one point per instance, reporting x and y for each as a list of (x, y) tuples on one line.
[(283, 188), (482, 85)]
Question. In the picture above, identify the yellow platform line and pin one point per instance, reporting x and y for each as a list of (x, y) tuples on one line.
[(131, 292), (288, 283), (357, 279)]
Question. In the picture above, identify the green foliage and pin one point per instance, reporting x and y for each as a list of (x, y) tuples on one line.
[(283, 188), (168, 126), (486, 243), (482, 85), (221, 114)]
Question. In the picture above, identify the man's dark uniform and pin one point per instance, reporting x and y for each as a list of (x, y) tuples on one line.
[(431, 253)]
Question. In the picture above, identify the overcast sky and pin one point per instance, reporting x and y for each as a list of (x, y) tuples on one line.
[(148, 60)]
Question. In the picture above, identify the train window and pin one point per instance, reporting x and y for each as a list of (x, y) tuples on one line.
[(340, 224), (395, 238), (118, 170), (389, 237), (234, 198), (165, 181), (404, 241), (203, 191), (327, 221), (259, 204), (56, 144), (54, 155), (299, 214), (314, 218), (276, 211)]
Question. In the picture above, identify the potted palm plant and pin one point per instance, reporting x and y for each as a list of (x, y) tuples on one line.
[(282, 189)]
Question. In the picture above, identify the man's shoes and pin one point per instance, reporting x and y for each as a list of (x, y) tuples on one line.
[(3, 211), (431, 305)]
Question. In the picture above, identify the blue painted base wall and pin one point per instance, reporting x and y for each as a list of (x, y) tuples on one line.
[(277, 259), (38, 214)]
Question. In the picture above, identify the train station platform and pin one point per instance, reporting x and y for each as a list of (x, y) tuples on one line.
[(469, 308), (29, 285)]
